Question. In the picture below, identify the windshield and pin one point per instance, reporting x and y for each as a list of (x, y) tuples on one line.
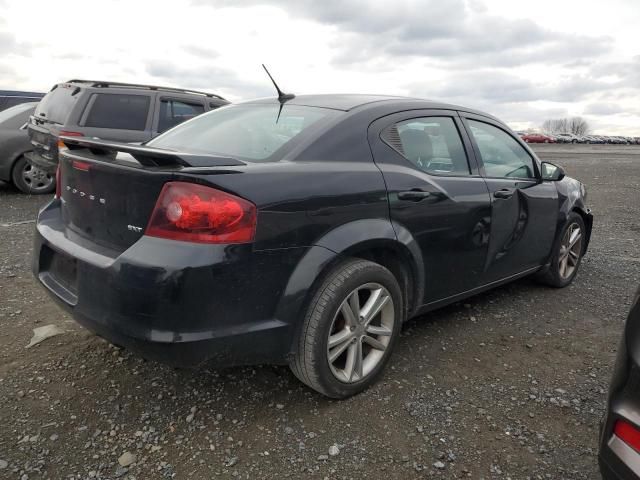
[(15, 110), (57, 104), (253, 132)]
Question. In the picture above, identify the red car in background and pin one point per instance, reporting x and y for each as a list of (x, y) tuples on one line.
[(537, 138)]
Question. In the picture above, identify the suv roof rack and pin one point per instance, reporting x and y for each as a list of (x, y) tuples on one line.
[(105, 84)]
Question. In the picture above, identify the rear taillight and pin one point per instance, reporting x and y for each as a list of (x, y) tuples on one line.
[(628, 433), (195, 213), (67, 133), (58, 182)]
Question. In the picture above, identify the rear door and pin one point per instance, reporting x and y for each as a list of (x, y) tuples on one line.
[(524, 209), (436, 195), (122, 117)]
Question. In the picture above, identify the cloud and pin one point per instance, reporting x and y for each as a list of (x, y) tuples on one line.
[(498, 86), (210, 78), (451, 32)]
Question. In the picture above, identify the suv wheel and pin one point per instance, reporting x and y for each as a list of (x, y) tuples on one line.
[(568, 253), (30, 179), (349, 331)]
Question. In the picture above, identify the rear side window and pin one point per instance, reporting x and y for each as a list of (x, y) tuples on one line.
[(432, 144), (174, 112), (118, 111), (58, 103)]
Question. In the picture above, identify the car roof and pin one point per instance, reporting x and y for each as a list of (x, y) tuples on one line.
[(348, 102)]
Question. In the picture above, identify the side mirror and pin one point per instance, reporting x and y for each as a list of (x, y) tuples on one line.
[(551, 172)]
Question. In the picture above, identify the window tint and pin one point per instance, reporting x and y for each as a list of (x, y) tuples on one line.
[(58, 103), (502, 155), (174, 112), (433, 144), (126, 112), (251, 132)]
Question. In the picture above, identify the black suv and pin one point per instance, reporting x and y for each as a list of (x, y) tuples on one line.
[(112, 111), (302, 231)]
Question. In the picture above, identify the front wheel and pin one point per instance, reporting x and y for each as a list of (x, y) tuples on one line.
[(568, 253), (350, 328)]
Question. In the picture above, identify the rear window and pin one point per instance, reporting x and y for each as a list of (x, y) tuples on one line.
[(58, 103), (123, 112), (247, 132)]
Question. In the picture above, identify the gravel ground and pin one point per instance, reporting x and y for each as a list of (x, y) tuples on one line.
[(508, 384)]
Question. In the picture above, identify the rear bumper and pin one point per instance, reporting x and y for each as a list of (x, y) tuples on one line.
[(180, 303), (46, 164)]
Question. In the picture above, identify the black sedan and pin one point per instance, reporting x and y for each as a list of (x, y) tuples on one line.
[(620, 432), (301, 230), (14, 143)]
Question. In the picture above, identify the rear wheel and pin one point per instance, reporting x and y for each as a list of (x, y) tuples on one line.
[(30, 179), (568, 253), (349, 331)]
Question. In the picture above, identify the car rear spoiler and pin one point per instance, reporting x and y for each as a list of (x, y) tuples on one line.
[(146, 156)]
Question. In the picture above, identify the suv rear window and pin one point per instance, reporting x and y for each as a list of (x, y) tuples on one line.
[(123, 112), (58, 103), (250, 132)]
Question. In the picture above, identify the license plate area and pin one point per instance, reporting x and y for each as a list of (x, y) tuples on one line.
[(59, 273)]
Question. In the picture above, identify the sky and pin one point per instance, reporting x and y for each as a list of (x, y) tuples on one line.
[(521, 61)]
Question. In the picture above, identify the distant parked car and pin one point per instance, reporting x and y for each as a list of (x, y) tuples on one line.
[(111, 111), (14, 144), (11, 98), (620, 429), (567, 138), (538, 138)]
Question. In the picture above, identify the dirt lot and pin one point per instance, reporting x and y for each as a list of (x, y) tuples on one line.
[(509, 384)]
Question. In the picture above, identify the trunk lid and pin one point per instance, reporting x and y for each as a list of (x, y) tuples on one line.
[(108, 204), (109, 190)]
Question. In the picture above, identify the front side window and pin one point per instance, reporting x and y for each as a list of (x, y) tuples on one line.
[(252, 132), (174, 112), (433, 144), (123, 112), (502, 155)]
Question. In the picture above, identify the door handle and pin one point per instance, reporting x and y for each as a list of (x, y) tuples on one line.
[(504, 193), (415, 195)]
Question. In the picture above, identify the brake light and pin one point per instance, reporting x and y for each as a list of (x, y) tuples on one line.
[(58, 182), (195, 213), (628, 433), (67, 133)]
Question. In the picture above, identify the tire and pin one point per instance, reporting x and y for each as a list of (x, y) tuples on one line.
[(555, 276), (324, 318), (574, 141), (546, 141), (30, 179)]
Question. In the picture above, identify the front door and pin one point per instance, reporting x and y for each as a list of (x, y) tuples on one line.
[(436, 196), (523, 207)]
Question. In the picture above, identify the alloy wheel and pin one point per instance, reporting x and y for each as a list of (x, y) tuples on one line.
[(36, 178), (360, 332), (570, 251)]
